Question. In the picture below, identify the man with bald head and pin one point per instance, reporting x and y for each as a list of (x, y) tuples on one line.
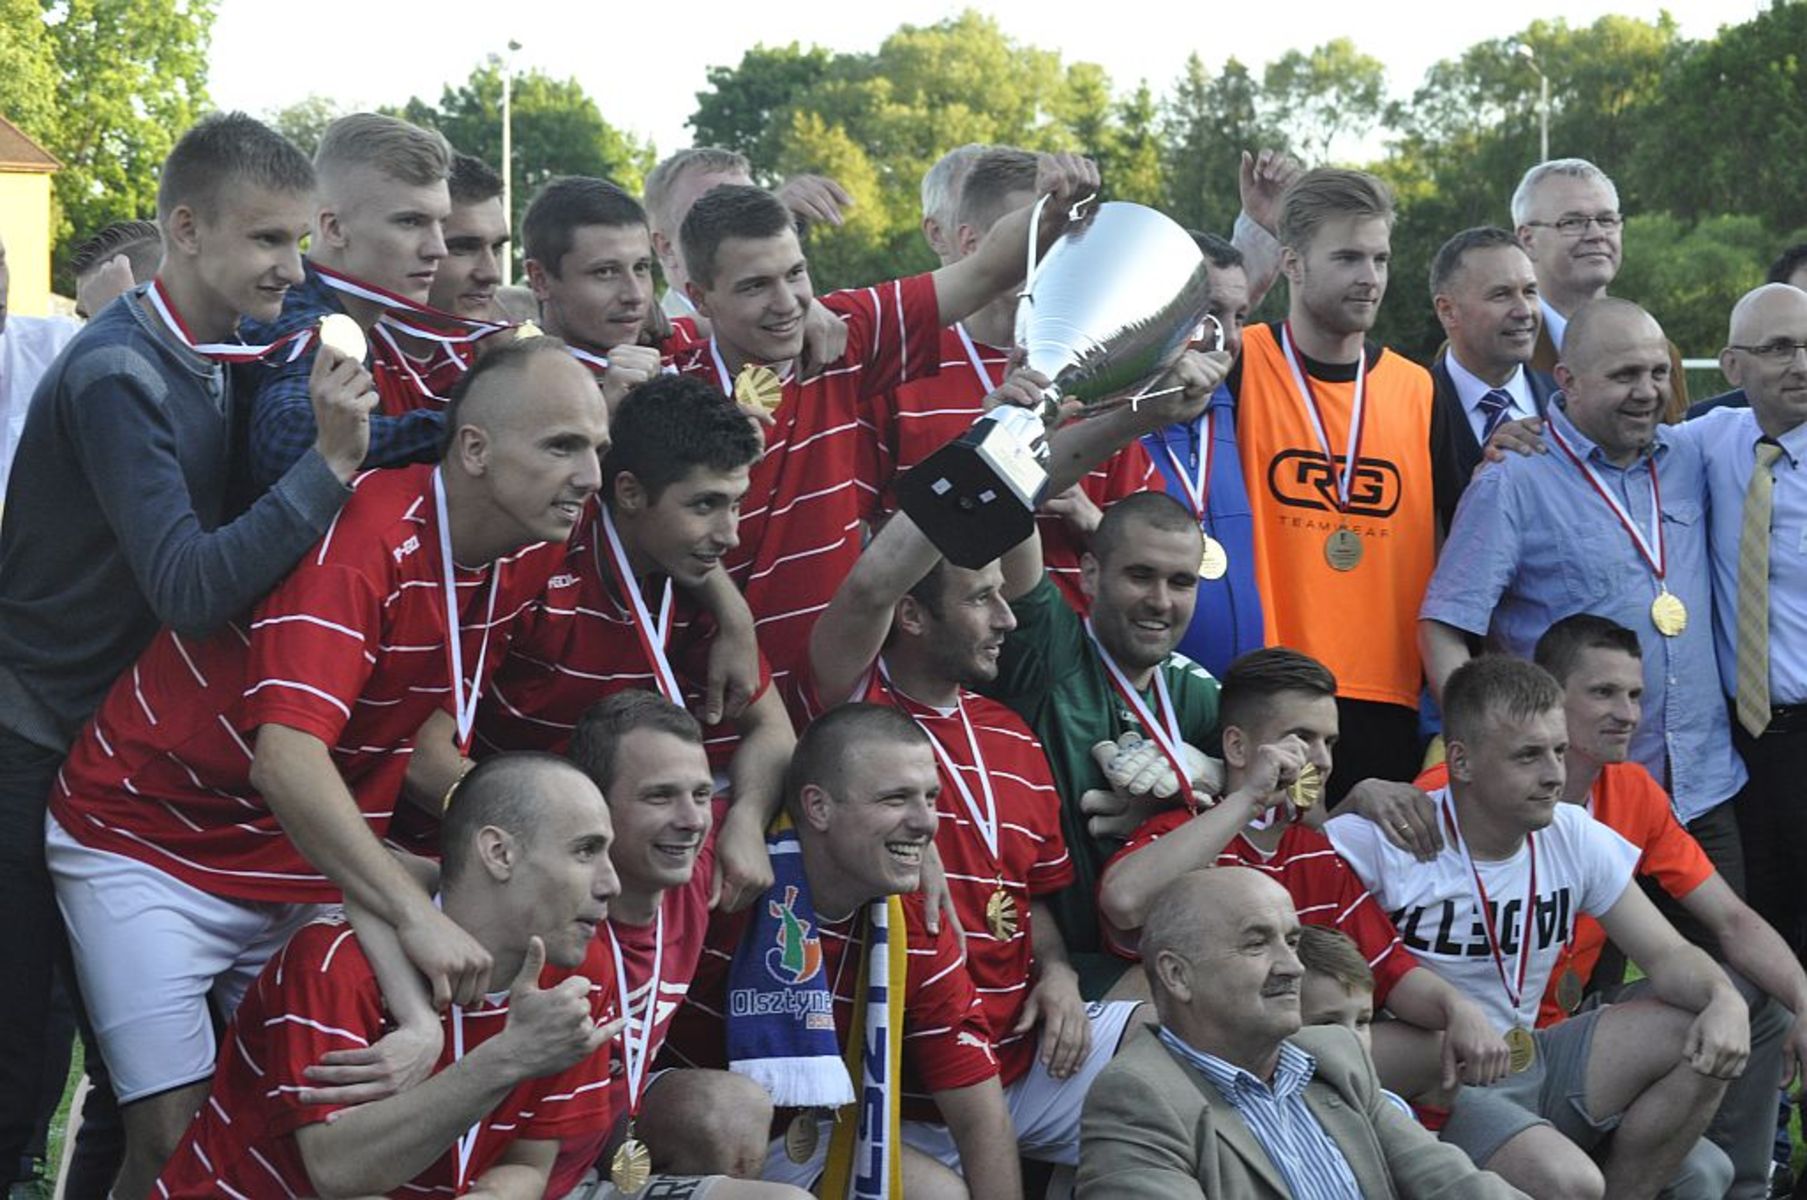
[(1610, 520), (1756, 469), (1229, 1096), (230, 784), (527, 874)]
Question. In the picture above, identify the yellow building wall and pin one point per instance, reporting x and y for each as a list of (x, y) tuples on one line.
[(25, 226)]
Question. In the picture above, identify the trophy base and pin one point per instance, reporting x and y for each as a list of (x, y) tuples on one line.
[(975, 497)]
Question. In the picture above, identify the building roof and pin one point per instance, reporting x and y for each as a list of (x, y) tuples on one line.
[(20, 153)]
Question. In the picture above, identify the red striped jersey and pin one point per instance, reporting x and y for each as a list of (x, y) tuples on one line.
[(1030, 843), (800, 520), (318, 995), (1324, 888), (920, 417), (686, 913), (576, 645), (405, 381), (350, 648), (947, 1039)]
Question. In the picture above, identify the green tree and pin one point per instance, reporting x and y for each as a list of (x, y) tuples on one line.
[(1733, 116), (106, 86), (746, 107), (557, 129), (304, 121), (1326, 98), (1206, 124)]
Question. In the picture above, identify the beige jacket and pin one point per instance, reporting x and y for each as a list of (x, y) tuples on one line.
[(1156, 1129)]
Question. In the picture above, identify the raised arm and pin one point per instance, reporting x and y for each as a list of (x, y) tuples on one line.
[(964, 287), (852, 629)]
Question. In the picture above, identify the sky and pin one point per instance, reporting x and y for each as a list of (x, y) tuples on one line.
[(644, 71)]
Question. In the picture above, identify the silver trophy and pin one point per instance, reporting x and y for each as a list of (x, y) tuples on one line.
[(1108, 309)]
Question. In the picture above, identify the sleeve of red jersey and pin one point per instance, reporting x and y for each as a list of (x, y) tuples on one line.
[(1360, 916), (313, 647), (893, 331), (945, 1029), (1671, 856), (1124, 473), (317, 996), (1146, 834)]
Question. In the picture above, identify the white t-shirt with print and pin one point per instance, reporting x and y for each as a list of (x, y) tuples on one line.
[(1582, 867)]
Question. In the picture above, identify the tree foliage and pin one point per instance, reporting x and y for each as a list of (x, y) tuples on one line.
[(106, 86), (557, 130)]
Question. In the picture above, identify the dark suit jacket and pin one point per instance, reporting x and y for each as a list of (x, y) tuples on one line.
[(1454, 451), (1156, 1129)]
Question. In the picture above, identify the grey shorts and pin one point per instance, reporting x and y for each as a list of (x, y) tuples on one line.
[(1551, 1091)]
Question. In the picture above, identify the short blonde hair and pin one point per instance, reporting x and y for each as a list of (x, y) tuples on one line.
[(1326, 194), (404, 152)]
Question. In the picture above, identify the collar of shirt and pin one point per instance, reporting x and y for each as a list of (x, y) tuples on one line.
[(1793, 443), (1470, 388), (1588, 449), (1553, 321), (1292, 1071)]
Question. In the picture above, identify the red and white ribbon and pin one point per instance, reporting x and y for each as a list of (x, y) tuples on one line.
[(1653, 546), (985, 818), (1196, 484), (1345, 475), (653, 636), (464, 704), (1164, 732), (228, 352), (1514, 993), (634, 1064)]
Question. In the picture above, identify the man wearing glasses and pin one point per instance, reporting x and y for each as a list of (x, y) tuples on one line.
[(1566, 214)]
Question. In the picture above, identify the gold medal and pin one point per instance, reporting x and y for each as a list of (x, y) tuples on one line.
[(1343, 550), (801, 1137), (344, 335), (1568, 990), (527, 329), (1668, 614), (1307, 789), (1000, 914), (758, 387), (632, 1165), (1215, 560), (1521, 1047)]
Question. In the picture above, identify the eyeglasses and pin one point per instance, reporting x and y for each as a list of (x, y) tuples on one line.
[(1779, 351), (1575, 226)]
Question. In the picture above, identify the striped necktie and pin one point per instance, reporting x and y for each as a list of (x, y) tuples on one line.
[(1753, 593), (1494, 408)]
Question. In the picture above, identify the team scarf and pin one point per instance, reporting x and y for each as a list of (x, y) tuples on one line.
[(780, 1014), (781, 1028), (864, 1160)]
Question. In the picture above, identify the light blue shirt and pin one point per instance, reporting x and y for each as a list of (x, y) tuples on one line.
[(1532, 542), (1310, 1160), (1727, 438)]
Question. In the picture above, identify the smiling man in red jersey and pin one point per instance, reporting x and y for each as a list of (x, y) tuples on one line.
[(229, 785), (819, 477)]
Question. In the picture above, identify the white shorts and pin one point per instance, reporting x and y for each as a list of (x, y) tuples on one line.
[(1044, 1110), (596, 1186), (151, 952)]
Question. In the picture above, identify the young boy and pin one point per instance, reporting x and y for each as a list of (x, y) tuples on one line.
[(1338, 989)]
